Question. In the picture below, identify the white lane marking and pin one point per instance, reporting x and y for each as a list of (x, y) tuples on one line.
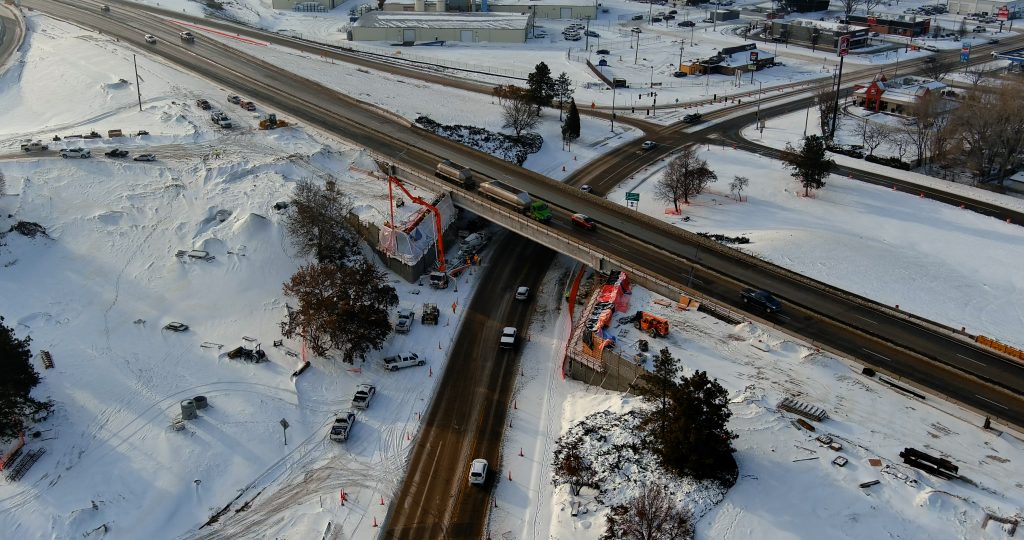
[(866, 319), (971, 359), (878, 355), (992, 402)]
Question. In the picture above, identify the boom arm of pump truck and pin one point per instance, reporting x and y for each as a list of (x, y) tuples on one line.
[(392, 179)]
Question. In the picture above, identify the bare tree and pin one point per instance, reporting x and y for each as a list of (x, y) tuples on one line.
[(976, 75), (936, 68), (925, 118), (650, 515), (825, 98), (870, 5), (848, 6), (316, 222), (571, 467), (875, 135), (686, 175), (517, 109), (738, 184), (3, 185)]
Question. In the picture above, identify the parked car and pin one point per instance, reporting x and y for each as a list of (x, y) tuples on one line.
[(522, 293), (342, 427), (404, 322), (761, 299), (363, 396), (591, 33), (34, 146), (679, 74), (150, 38), (686, 24), (670, 17), (656, 19), (584, 221), (572, 36), (234, 99), (648, 145), (247, 105), (141, 132), (145, 157), (203, 104), (175, 326), (403, 360), (478, 472), (509, 336), (75, 153), (116, 153)]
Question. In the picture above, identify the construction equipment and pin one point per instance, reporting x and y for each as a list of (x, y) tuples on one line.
[(430, 314), (272, 122), (438, 279), (654, 325)]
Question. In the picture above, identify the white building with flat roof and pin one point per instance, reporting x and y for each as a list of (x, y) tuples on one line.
[(540, 9), (413, 26)]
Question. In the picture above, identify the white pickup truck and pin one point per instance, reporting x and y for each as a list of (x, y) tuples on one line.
[(34, 146), (404, 360), (343, 426)]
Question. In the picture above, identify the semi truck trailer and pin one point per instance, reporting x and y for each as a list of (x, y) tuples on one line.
[(516, 199)]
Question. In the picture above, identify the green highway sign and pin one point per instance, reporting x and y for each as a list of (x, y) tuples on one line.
[(630, 196)]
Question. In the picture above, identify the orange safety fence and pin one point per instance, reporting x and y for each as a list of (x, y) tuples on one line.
[(1001, 347)]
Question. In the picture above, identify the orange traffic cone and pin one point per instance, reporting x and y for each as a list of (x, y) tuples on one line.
[(374, 521), (382, 500)]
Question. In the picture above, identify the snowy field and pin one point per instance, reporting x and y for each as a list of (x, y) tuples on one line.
[(934, 260)]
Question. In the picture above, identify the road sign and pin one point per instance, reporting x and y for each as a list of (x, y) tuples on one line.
[(965, 53), (1003, 14), (631, 196), (872, 20), (753, 57), (844, 45)]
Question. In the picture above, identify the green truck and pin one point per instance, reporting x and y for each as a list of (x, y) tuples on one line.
[(517, 199)]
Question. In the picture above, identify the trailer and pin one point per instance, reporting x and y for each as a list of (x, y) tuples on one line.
[(457, 174), (503, 193)]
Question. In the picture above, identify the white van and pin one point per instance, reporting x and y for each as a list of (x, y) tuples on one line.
[(478, 472)]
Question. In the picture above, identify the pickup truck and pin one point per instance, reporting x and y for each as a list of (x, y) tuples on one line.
[(186, 36), (364, 394), (343, 426), (403, 360), (761, 299), (34, 146), (404, 322)]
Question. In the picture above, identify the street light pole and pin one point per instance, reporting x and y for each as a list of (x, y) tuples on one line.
[(613, 107), (636, 58), (760, 95)]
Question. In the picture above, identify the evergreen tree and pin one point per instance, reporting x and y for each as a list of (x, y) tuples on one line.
[(571, 127), (659, 384), (541, 86), (810, 163), (16, 384), (563, 92)]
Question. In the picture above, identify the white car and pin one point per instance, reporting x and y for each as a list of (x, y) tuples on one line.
[(364, 394), (508, 337), (150, 38), (404, 360), (478, 472), (33, 146), (343, 426), (648, 145), (75, 153), (186, 36), (145, 157), (522, 293), (404, 322)]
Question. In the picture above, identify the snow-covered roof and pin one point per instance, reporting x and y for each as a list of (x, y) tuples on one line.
[(540, 3), (827, 25), (426, 19)]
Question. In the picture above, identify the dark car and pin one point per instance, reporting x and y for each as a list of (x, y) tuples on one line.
[(203, 104), (655, 19), (692, 118), (591, 33), (603, 51), (686, 24), (761, 299), (679, 74), (117, 152)]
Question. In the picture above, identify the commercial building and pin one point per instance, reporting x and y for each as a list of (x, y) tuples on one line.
[(897, 96), (552, 9), (985, 7), (413, 26), (730, 60), (822, 35), (900, 25), (306, 5)]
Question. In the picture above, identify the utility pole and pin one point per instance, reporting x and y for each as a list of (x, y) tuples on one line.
[(681, 42), (613, 107), (844, 48), (138, 89), (636, 58), (586, 44)]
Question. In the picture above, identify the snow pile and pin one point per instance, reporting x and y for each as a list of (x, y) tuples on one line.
[(504, 146)]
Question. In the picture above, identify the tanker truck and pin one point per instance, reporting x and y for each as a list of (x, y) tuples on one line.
[(516, 199), (456, 174)]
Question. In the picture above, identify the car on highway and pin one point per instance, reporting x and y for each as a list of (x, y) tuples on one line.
[(478, 472), (522, 293), (363, 396), (104, 7), (175, 326), (648, 145), (761, 299), (116, 153), (404, 322), (584, 221), (150, 38), (686, 24), (403, 360), (145, 157), (81, 153), (342, 427), (186, 36), (693, 118), (509, 336), (586, 188)]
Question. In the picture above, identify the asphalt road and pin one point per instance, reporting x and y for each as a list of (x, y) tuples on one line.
[(817, 312), (467, 418), (10, 34)]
